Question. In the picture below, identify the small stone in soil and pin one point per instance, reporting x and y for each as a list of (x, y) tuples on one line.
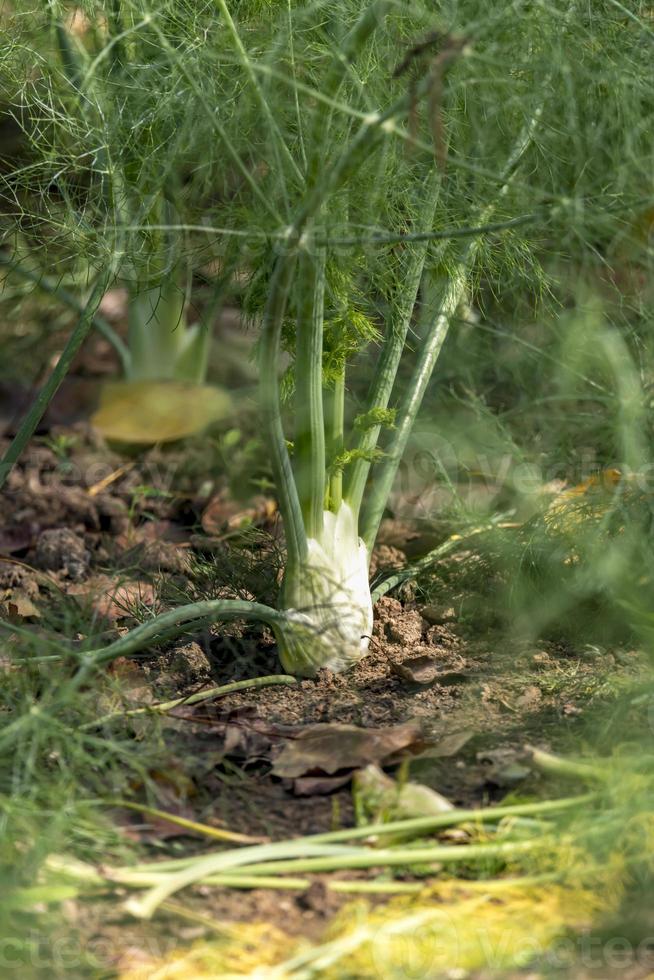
[(425, 670), (17, 577), (163, 556), (436, 615), (62, 550), (185, 664), (417, 670), (316, 897)]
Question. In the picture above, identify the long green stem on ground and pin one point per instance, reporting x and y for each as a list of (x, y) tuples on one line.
[(415, 826), (177, 620), (367, 858), (283, 860), (169, 625), (86, 874), (209, 694), (216, 833)]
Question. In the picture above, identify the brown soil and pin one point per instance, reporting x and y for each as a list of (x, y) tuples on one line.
[(371, 694), (78, 522)]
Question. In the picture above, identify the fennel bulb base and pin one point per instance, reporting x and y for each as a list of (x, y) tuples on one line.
[(327, 601)]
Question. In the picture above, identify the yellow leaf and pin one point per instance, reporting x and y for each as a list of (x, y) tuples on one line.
[(147, 412), (20, 606)]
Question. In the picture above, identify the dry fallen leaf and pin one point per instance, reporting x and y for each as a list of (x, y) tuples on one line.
[(320, 785), (20, 606), (317, 759), (448, 746), (113, 600), (328, 748), (147, 412), (240, 733), (120, 602)]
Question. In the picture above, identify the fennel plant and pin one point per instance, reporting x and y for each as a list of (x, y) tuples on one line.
[(384, 163), (324, 295), (331, 504)]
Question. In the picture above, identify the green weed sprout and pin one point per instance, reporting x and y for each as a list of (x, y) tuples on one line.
[(386, 163)]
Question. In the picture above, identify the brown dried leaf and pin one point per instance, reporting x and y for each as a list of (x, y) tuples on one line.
[(530, 699), (425, 670), (242, 732), (112, 600), (448, 746), (319, 785), (118, 603), (328, 748)]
